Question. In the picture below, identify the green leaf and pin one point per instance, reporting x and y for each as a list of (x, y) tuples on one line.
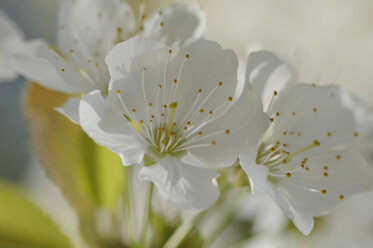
[(23, 225), (88, 175)]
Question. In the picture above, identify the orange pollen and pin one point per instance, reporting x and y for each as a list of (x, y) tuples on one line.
[(152, 116), (165, 106), (199, 133), (326, 167), (187, 56), (134, 110), (117, 91), (170, 51), (220, 84), (188, 122), (326, 174), (150, 104), (185, 128), (288, 174), (213, 142), (227, 131), (175, 81), (277, 114), (338, 157), (200, 91), (160, 86), (141, 122), (230, 98), (323, 191), (271, 119), (302, 165), (62, 69), (341, 197), (210, 112), (202, 110), (285, 133), (275, 93), (273, 149)]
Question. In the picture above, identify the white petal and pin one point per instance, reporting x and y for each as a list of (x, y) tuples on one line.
[(11, 39), (244, 121), (303, 222), (44, 66), (308, 113), (207, 65), (328, 180), (266, 73), (176, 25), (258, 174), (120, 56), (70, 109), (90, 27), (182, 184), (110, 128)]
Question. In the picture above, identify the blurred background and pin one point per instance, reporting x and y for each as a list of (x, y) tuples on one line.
[(328, 41)]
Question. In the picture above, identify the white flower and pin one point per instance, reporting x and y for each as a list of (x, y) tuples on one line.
[(175, 113), (88, 30), (306, 160)]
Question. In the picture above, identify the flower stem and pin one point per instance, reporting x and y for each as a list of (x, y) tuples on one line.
[(126, 202), (183, 231), (147, 216)]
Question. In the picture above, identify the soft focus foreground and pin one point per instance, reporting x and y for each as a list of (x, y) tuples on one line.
[(87, 191)]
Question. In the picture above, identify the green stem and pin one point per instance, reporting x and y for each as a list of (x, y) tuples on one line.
[(126, 201), (183, 231), (147, 216)]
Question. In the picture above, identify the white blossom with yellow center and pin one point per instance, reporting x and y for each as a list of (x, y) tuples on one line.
[(176, 113), (87, 31), (307, 158)]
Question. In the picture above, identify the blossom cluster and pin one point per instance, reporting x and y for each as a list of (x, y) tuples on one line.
[(154, 91)]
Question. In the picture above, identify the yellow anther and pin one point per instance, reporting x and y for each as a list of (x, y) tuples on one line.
[(227, 131), (325, 174), (220, 84), (117, 91), (323, 191), (230, 98), (288, 174), (338, 157), (341, 197), (200, 91), (213, 142)]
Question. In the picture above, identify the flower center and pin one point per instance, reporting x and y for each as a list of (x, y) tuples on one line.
[(279, 160)]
